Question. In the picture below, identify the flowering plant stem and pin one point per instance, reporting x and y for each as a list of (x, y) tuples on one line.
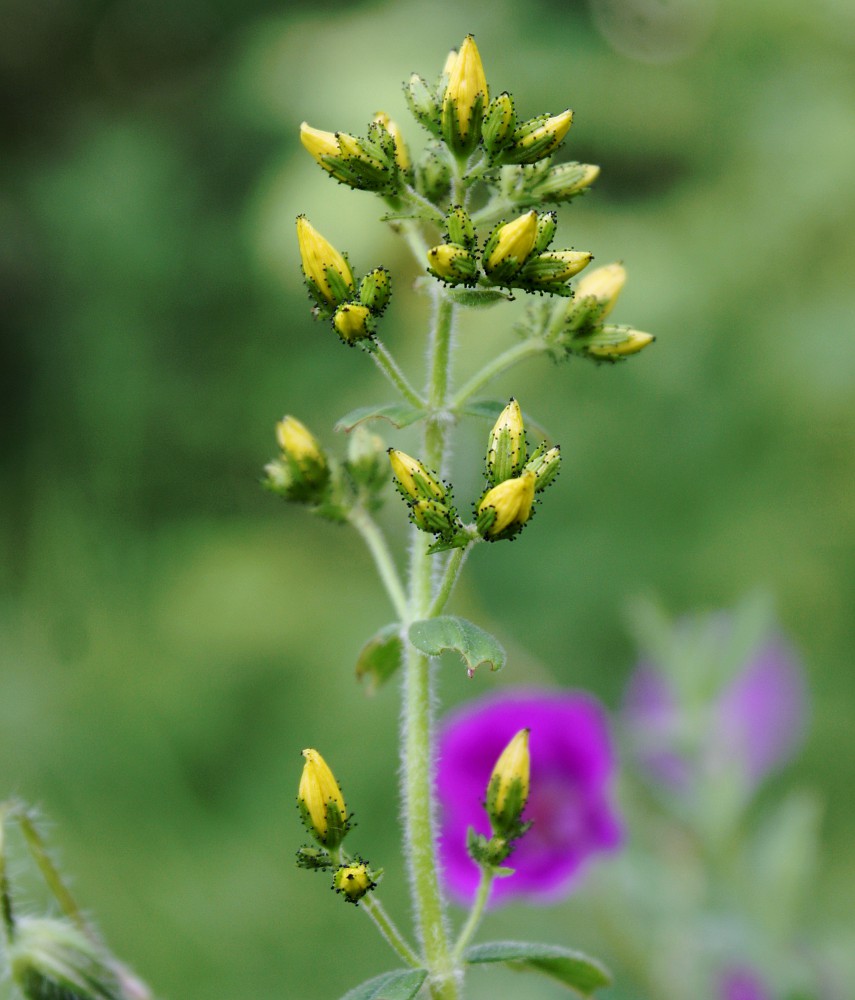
[(482, 897), (417, 718)]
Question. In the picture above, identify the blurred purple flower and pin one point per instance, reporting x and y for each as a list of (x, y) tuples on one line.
[(742, 984), (572, 766), (753, 724)]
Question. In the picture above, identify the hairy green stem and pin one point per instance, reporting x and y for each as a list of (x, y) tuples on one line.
[(509, 358), (384, 923), (452, 571), (418, 792), (376, 542), (50, 873), (476, 914), (382, 357), (6, 912)]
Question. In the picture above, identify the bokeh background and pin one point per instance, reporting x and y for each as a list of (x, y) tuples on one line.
[(171, 636)]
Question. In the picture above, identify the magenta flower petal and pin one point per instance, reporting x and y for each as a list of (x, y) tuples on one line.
[(742, 984), (572, 767), (751, 726)]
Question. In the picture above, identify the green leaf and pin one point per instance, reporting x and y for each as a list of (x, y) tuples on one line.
[(402, 984), (489, 409), (380, 657), (477, 297), (575, 970), (434, 635), (398, 414)]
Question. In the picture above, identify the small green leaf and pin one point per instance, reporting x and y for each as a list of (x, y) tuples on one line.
[(402, 984), (490, 409), (398, 414), (572, 968), (380, 657), (434, 635)]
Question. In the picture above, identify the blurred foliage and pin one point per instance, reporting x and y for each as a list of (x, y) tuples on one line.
[(172, 636)]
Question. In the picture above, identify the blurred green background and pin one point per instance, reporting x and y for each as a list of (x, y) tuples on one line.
[(171, 636)]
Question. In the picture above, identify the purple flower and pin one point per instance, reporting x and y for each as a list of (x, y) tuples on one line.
[(572, 766), (742, 984), (748, 726)]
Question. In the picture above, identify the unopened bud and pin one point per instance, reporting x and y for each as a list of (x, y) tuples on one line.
[(353, 881), (465, 99), (352, 322), (611, 343), (327, 272), (545, 464), (538, 138), (415, 481), (375, 290), (598, 291), (551, 271), (402, 155), (320, 801), (499, 123), (359, 163), (507, 791), (433, 516), (504, 509), (366, 459), (506, 451), (423, 103), (564, 181), (453, 263), (509, 246), (460, 227)]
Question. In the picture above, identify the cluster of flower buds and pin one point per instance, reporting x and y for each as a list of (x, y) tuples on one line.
[(325, 816), (583, 331), (507, 794), (514, 477), (333, 289), (429, 500), (379, 162), (515, 255), (304, 473)]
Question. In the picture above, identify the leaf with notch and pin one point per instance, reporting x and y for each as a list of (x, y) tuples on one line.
[(434, 635), (398, 414), (380, 657)]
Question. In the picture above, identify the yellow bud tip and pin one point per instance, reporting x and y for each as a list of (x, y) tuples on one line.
[(512, 501), (353, 881), (632, 342), (511, 420), (466, 82), (295, 440), (574, 261), (515, 239), (450, 60), (350, 321), (318, 788), (406, 469), (514, 764), (441, 259), (603, 284), (318, 256), (318, 143)]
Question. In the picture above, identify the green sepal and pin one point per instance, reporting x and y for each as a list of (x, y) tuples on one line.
[(375, 290), (380, 657), (402, 984), (506, 824), (423, 103), (546, 224), (340, 289), (499, 123), (398, 414), (435, 635), (433, 174), (570, 968), (459, 228), (313, 859)]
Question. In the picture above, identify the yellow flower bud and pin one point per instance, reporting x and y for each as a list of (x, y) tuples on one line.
[(402, 155), (319, 143), (325, 268), (321, 802), (507, 791), (547, 136), (506, 444), (414, 478), (465, 98), (452, 263), (565, 263), (605, 285), (353, 881), (613, 342), (512, 243), (350, 322), (512, 503), (297, 442)]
